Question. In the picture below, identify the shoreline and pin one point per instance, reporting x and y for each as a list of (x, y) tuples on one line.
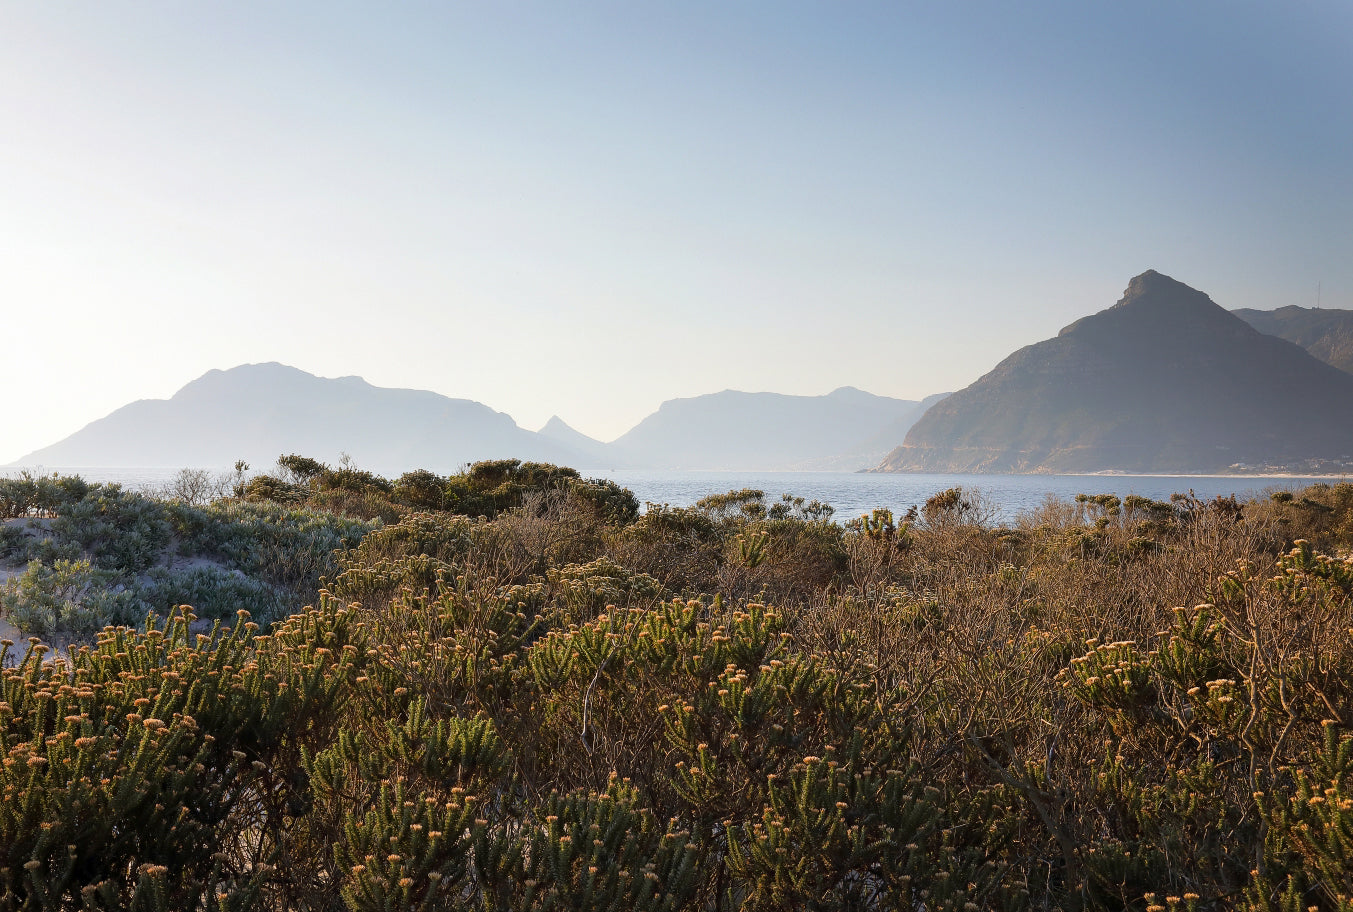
[(1282, 475)]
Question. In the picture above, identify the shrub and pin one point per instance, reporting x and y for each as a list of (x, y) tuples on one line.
[(586, 590), (446, 538), (13, 542), (69, 597), (267, 488), (287, 547), (953, 507), (212, 592), (420, 489), (964, 717), (144, 773), (197, 487), (417, 552), (347, 478), (119, 530), (300, 470), (496, 486), (681, 548), (17, 496), (40, 496)]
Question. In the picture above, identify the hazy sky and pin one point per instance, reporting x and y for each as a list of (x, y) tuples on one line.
[(588, 208)]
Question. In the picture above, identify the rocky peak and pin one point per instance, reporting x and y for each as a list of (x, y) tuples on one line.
[(1155, 304)]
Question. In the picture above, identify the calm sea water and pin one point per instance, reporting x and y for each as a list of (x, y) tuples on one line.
[(852, 494), (855, 494)]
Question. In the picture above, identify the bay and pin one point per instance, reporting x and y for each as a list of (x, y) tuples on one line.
[(851, 494), (854, 494)]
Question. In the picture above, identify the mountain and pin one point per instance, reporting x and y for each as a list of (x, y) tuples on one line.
[(1327, 334), (257, 412), (594, 453), (765, 431), (883, 440), (1163, 381)]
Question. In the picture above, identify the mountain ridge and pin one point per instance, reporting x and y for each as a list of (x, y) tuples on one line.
[(1164, 380), (259, 411), (256, 412), (1324, 332), (736, 430)]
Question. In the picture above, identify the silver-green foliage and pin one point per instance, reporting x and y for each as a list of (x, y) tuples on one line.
[(212, 591), (69, 596)]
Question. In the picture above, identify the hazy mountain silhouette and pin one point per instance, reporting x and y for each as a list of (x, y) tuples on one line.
[(1163, 381), (594, 453), (765, 431), (1327, 334), (257, 412), (886, 438)]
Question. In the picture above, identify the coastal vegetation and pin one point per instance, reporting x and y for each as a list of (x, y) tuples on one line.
[(512, 688)]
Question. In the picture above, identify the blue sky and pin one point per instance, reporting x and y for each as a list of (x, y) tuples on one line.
[(586, 209)]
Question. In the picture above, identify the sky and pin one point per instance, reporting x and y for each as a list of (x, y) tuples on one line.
[(585, 209)]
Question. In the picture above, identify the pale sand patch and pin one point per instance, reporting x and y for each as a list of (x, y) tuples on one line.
[(7, 630), (57, 644)]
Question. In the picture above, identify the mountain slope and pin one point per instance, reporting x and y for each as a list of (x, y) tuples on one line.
[(883, 440), (1163, 381), (763, 431), (1326, 334), (257, 412), (594, 453)]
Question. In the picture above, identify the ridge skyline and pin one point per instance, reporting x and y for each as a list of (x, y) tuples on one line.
[(730, 429), (262, 404), (555, 417)]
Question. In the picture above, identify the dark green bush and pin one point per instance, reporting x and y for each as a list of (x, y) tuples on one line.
[(421, 490), (13, 543)]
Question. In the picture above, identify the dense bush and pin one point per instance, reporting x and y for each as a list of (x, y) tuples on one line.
[(288, 547), (489, 488), (212, 591), (39, 496), (13, 542), (1106, 705), (416, 553), (119, 530), (126, 552), (485, 489), (69, 596)]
